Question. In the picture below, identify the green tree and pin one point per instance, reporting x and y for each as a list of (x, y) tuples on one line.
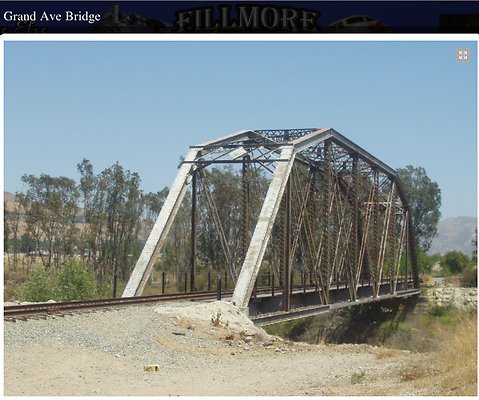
[(425, 262), (424, 198), (12, 219), (152, 204), (6, 227), (90, 234), (123, 210), (224, 186), (50, 205), (455, 262), (113, 205), (474, 246), (177, 249)]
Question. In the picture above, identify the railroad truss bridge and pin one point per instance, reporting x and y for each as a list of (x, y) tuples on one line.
[(329, 213)]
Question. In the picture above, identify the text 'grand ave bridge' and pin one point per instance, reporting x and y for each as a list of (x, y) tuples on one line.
[(329, 211)]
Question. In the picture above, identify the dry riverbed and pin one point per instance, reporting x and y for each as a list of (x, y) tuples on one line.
[(203, 348)]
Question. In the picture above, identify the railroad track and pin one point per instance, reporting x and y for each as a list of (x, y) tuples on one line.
[(36, 310), (25, 311), (43, 310)]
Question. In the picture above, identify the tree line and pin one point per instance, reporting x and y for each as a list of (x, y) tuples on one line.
[(96, 219), (104, 218)]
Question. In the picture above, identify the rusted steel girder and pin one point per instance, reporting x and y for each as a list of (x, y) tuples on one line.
[(344, 216)]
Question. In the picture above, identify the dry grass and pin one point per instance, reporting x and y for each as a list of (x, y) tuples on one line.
[(428, 280), (216, 321), (415, 372), (185, 324), (387, 353), (454, 280), (9, 293), (455, 363), (458, 359), (15, 277)]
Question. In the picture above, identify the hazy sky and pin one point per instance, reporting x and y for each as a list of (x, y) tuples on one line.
[(143, 103)]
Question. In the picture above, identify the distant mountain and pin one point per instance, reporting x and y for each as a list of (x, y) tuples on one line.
[(9, 202), (9, 199), (454, 234)]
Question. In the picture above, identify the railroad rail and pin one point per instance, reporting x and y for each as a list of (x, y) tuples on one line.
[(25, 311)]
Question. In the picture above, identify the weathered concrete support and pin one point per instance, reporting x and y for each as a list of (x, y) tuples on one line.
[(287, 249), (158, 234), (254, 256)]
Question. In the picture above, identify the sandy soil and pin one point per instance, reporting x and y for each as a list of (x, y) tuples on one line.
[(205, 349)]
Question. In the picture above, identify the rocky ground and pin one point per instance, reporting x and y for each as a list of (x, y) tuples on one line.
[(458, 297), (200, 349)]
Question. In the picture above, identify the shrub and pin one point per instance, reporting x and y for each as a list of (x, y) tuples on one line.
[(427, 280), (439, 314), (201, 281), (425, 262), (390, 327), (386, 329), (438, 311), (469, 277), (358, 377), (75, 281), (454, 262), (104, 287), (38, 286), (296, 328)]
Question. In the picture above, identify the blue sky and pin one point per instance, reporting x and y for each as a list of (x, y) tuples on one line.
[(143, 103)]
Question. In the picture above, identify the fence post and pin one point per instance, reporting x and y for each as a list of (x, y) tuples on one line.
[(218, 288), (292, 282), (272, 285)]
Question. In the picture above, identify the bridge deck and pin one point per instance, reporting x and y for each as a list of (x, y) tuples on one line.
[(309, 311)]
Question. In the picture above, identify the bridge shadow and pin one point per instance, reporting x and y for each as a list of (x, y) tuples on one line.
[(364, 323)]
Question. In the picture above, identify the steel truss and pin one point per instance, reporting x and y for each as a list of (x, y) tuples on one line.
[(332, 212)]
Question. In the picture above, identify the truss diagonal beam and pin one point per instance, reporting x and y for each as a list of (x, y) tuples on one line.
[(219, 226), (158, 234)]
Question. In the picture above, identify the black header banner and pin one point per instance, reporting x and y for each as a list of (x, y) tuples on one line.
[(240, 17)]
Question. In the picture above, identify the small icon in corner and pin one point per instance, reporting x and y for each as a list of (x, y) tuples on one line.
[(463, 55)]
